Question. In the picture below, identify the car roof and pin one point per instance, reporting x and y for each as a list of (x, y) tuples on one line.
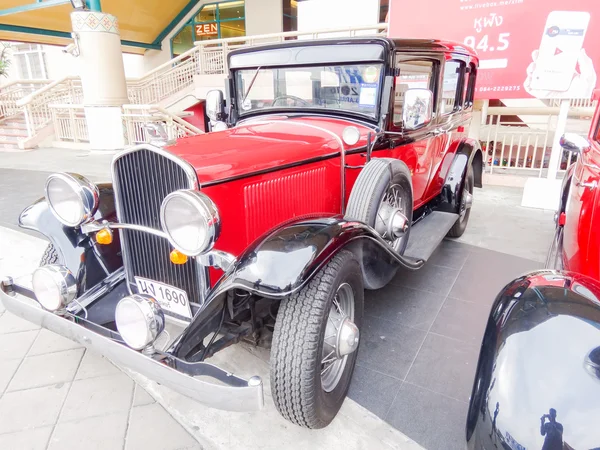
[(423, 45)]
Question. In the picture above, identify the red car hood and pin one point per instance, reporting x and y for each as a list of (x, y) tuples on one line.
[(262, 145)]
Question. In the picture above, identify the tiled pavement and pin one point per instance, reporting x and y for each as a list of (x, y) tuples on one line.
[(420, 341), (55, 395)]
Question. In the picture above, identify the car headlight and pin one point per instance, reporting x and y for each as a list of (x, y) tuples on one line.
[(54, 286), (140, 320), (72, 198), (191, 221)]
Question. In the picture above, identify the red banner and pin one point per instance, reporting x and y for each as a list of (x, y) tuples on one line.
[(527, 48)]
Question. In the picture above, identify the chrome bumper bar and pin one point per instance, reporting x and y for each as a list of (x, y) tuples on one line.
[(233, 394)]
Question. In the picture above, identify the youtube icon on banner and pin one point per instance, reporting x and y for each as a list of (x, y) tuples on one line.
[(527, 48)]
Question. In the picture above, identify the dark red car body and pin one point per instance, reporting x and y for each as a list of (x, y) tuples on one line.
[(578, 221)]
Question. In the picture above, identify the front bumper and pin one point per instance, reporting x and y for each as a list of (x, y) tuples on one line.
[(232, 393)]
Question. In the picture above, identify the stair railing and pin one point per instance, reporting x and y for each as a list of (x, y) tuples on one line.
[(12, 92), (36, 105), (137, 117)]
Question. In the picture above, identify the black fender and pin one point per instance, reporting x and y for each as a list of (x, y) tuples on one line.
[(90, 263), (468, 153), (540, 350), (283, 261)]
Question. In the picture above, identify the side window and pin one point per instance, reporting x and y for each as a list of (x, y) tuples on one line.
[(412, 74), (469, 91), (597, 138), (451, 91)]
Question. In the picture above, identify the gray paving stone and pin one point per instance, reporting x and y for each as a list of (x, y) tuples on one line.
[(446, 366), (141, 397), (44, 370), (35, 439), (16, 345), (31, 408), (94, 433), (98, 396), (151, 427), (94, 365), (9, 323), (7, 370), (49, 342)]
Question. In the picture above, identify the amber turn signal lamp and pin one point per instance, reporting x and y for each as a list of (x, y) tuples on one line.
[(177, 257), (104, 237)]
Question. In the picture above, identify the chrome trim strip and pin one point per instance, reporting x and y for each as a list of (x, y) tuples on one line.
[(97, 226), (232, 394)]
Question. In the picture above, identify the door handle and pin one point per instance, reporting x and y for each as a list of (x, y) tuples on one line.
[(591, 185)]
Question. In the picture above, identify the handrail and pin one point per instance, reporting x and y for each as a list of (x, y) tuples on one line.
[(174, 117), (5, 87), (30, 97)]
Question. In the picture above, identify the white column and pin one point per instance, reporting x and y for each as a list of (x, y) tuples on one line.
[(555, 156), (102, 77)]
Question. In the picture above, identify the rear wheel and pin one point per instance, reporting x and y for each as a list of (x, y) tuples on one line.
[(466, 201), (315, 344)]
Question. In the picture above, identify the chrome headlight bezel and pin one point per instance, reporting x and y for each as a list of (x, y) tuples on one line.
[(86, 191), (202, 205), (62, 279), (148, 311)]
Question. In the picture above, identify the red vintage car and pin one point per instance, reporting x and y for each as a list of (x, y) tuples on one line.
[(330, 164), (576, 246)]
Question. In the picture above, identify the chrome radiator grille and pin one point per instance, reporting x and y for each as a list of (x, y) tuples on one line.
[(142, 179)]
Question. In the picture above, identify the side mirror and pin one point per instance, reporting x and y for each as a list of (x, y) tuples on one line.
[(418, 108), (215, 105), (574, 143)]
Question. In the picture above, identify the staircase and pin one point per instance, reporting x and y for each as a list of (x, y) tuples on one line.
[(12, 130)]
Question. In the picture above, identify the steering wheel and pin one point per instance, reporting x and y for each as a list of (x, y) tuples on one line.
[(299, 100)]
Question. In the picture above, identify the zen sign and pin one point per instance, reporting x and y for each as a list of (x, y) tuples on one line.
[(527, 48), (206, 29)]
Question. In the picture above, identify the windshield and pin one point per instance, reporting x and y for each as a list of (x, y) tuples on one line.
[(348, 87)]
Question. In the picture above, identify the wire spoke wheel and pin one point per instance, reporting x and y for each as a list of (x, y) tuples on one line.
[(391, 210), (333, 362)]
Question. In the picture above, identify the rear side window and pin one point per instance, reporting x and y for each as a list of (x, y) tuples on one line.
[(413, 74), (451, 90), (469, 91), (597, 138)]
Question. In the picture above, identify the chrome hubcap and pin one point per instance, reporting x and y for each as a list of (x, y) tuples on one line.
[(341, 337), (391, 222)]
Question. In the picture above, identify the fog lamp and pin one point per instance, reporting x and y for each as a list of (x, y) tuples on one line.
[(54, 287), (140, 320)]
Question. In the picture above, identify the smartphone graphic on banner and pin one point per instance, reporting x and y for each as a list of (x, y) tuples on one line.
[(559, 50)]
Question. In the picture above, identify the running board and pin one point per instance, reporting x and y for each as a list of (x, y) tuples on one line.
[(427, 234)]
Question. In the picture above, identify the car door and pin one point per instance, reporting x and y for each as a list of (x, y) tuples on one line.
[(582, 210), (450, 122), (416, 148)]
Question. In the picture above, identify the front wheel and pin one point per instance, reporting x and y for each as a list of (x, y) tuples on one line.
[(315, 344)]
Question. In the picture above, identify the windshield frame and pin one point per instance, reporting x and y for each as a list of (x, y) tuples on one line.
[(237, 94)]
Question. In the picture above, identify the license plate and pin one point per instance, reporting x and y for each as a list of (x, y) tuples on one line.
[(170, 298)]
